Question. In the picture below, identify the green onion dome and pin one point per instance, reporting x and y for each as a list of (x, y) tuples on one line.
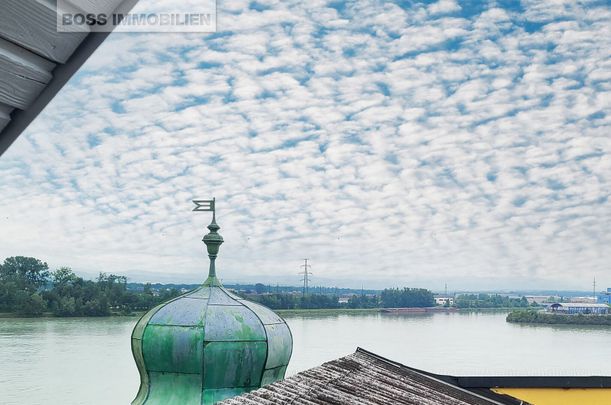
[(208, 344)]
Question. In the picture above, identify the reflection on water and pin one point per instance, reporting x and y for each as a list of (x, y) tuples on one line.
[(455, 343), (88, 360), (66, 361)]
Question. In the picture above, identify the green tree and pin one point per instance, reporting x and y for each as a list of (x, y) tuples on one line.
[(66, 307), (8, 295), (27, 272), (362, 301), (260, 288), (406, 298), (30, 304), (63, 276)]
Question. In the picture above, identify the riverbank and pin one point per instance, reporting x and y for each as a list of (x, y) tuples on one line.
[(327, 311), (4, 315), (417, 310), (300, 311), (495, 309), (283, 312), (534, 317)]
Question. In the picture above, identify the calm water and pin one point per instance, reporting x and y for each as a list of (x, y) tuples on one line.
[(88, 361)]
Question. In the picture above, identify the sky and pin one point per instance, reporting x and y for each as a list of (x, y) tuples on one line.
[(400, 143)]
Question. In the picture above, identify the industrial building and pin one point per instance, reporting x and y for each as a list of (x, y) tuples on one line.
[(604, 297), (578, 308)]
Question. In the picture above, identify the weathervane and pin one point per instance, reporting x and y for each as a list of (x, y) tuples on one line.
[(212, 239), (204, 205)]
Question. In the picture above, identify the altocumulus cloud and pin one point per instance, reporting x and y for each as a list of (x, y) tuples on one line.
[(391, 143)]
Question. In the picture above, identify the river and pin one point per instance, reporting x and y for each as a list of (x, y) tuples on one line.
[(88, 360)]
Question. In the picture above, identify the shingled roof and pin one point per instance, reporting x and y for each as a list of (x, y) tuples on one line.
[(364, 378)]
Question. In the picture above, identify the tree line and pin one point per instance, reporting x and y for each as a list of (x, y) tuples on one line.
[(389, 298), (29, 288), (552, 319), (489, 301)]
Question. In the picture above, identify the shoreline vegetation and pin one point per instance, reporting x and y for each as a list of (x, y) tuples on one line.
[(29, 289), (308, 311), (542, 318), (304, 312), (327, 311)]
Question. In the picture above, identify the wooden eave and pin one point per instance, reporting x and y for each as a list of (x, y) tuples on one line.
[(36, 61)]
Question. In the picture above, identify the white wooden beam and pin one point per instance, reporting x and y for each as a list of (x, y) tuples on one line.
[(20, 119), (23, 75), (33, 25)]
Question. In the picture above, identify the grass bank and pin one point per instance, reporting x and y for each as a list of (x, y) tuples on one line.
[(535, 317), (16, 315), (4, 315), (7, 315), (326, 311), (501, 309)]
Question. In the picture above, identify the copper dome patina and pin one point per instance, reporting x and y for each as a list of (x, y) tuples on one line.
[(208, 344)]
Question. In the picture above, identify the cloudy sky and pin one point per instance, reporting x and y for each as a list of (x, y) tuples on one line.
[(391, 143)]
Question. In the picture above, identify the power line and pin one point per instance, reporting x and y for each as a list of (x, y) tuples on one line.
[(306, 276)]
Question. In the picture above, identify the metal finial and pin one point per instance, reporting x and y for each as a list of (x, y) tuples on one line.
[(212, 239)]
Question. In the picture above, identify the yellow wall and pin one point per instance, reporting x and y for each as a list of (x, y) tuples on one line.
[(560, 396)]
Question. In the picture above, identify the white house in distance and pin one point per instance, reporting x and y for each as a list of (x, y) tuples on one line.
[(444, 300), (344, 299)]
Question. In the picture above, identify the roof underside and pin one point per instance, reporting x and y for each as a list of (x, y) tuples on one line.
[(36, 60), (364, 378)]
